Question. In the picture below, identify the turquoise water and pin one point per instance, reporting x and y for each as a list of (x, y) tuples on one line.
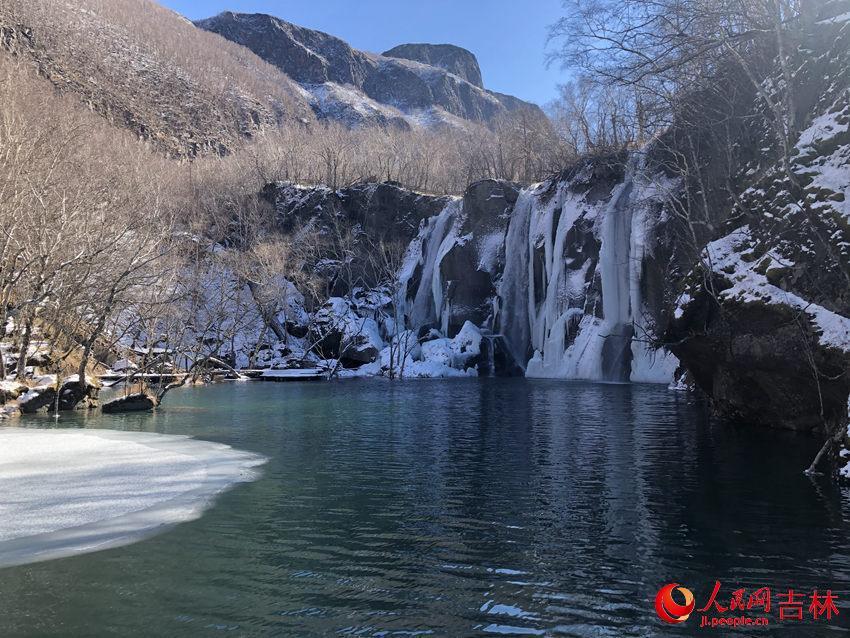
[(455, 508)]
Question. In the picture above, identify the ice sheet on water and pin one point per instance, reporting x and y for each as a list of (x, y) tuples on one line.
[(67, 492)]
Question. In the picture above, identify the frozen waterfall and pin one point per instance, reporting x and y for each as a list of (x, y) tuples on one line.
[(568, 296)]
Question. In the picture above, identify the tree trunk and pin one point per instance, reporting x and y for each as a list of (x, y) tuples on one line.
[(269, 318), (23, 350), (81, 371)]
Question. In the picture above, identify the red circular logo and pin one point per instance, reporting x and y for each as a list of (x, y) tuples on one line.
[(668, 609)]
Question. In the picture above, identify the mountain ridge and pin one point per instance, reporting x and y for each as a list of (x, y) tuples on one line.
[(414, 91)]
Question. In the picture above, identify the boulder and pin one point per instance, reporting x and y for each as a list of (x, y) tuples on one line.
[(137, 402), (40, 397), (329, 326), (339, 333), (73, 397), (461, 352), (361, 342), (11, 390)]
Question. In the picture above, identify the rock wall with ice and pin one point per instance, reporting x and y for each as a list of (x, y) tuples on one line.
[(763, 320), (555, 273)]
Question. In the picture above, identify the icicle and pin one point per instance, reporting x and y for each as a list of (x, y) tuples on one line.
[(427, 250), (513, 317)]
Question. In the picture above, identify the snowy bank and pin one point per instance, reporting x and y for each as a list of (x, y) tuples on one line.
[(67, 492)]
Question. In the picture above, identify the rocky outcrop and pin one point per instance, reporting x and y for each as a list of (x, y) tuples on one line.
[(37, 398), (384, 211), (763, 321), (340, 333), (391, 88), (71, 395), (453, 59), (76, 396)]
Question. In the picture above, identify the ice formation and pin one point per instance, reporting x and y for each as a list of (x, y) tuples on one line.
[(562, 311), (67, 492)]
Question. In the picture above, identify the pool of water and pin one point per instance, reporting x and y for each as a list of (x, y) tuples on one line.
[(456, 508)]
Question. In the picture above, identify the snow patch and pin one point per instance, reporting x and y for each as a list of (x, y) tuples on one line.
[(748, 286)]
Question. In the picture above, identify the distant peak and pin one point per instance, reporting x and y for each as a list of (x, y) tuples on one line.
[(450, 57)]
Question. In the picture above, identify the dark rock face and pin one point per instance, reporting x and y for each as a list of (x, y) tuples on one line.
[(753, 361), (363, 217), (385, 211), (763, 325), (452, 58), (469, 268), (450, 83)]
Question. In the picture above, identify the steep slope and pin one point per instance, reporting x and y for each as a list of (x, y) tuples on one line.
[(393, 89), (146, 68)]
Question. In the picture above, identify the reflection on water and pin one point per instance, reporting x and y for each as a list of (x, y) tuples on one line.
[(455, 508)]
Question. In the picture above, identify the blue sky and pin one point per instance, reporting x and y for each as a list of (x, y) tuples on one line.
[(507, 36)]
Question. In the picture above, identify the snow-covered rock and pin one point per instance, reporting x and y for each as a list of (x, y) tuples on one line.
[(124, 365), (10, 390), (340, 332), (37, 398)]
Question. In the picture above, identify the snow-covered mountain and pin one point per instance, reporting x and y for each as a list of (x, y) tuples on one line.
[(408, 85)]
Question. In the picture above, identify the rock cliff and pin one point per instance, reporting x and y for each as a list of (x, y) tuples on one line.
[(452, 58)]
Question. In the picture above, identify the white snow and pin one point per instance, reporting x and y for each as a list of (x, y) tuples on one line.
[(844, 17), (67, 492), (436, 358), (294, 373), (12, 387), (353, 107), (748, 286), (124, 364), (831, 171)]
